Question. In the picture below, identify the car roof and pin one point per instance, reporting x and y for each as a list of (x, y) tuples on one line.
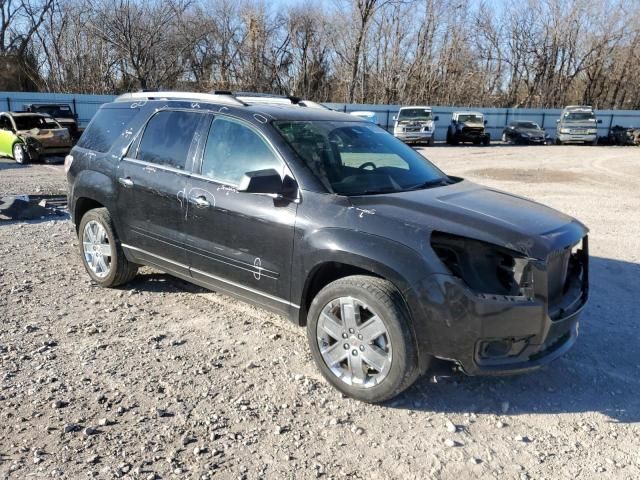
[(25, 114), (241, 104), (466, 112), (426, 107)]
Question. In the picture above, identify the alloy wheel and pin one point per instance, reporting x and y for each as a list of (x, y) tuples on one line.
[(96, 248), (354, 342), (18, 153)]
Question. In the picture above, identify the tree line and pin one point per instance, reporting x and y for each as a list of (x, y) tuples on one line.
[(505, 53)]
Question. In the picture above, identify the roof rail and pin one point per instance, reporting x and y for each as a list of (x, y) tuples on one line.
[(263, 98), (216, 97)]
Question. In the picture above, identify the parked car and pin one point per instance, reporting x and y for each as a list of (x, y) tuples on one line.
[(468, 127), (619, 135), (577, 124), (525, 133), (29, 137), (368, 116), (331, 221), (62, 113), (415, 124)]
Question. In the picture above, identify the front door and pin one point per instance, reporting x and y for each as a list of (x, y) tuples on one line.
[(151, 179), (237, 241)]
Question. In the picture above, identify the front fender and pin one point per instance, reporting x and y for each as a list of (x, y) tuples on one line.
[(398, 263)]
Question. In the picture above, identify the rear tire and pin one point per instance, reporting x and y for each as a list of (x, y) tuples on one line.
[(20, 154), (351, 351), (101, 252), (430, 142)]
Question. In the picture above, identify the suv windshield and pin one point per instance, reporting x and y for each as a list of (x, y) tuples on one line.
[(470, 118), (579, 117), (28, 122), (62, 111), (414, 114), (529, 125), (356, 158)]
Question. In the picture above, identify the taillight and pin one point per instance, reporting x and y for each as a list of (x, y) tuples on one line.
[(68, 160)]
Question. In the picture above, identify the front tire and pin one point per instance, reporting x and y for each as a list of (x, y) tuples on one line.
[(359, 333), (20, 154), (102, 254)]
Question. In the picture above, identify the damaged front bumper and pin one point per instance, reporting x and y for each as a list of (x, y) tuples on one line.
[(488, 334)]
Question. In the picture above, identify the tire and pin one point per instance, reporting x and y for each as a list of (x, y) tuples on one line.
[(394, 350), (558, 141), (118, 270), (430, 142), (20, 154), (486, 140), (504, 138)]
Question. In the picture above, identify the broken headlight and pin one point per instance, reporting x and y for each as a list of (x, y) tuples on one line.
[(484, 267)]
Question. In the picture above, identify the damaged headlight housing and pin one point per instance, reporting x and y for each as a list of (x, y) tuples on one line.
[(32, 143), (485, 268)]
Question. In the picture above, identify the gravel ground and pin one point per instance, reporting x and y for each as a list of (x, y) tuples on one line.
[(161, 379)]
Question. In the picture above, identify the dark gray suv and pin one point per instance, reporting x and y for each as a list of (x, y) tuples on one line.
[(334, 223)]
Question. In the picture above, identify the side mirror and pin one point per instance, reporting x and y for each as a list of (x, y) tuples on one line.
[(558, 120), (599, 121), (267, 182), (436, 118), (394, 118), (485, 122)]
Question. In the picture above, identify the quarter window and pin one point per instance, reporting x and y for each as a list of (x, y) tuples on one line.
[(167, 138), (105, 127), (233, 149)]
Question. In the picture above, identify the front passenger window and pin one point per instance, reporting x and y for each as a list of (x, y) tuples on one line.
[(167, 138), (233, 149)]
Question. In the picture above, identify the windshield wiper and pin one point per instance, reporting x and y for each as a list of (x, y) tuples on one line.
[(431, 183)]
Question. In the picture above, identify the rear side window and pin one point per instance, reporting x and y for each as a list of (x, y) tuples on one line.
[(232, 150), (167, 138), (105, 127)]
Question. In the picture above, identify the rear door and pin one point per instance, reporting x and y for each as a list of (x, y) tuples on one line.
[(151, 179), (236, 241)]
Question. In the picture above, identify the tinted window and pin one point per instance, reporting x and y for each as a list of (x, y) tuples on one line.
[(63, 111), (5, 124), (105, 127), (234, 149), (352, 158), (167, 138)]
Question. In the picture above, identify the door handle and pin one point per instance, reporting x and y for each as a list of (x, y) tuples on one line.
[(200, 201), (125, 182)]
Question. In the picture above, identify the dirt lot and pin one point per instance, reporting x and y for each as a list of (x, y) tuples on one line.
[(163, 380)]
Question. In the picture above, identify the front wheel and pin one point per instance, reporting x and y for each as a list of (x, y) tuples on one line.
[(102, 254), (360, 337), (20, 154)]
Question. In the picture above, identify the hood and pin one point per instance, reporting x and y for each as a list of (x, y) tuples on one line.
[(478, 212), (531, 131), (473, 124)]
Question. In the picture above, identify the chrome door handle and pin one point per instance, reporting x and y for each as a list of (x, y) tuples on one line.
[(200, 201), (125, 182)]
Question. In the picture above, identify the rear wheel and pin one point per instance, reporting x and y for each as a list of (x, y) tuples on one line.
[(430, 142), (102, 254), (20, 154), (360, 337)]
